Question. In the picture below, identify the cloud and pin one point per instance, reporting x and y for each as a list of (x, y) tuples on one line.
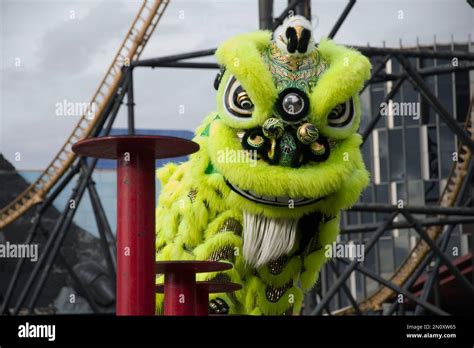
[(66, 59), (72, 46)]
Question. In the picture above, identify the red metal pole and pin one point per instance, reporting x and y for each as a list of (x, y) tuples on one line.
[(185, 296), (180, 293), (202, 300), (136, 232), (136, 156)]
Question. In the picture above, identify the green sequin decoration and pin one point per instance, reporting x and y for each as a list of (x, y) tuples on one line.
[(210, 169), (300, 72), (287, 149), (205, 132)]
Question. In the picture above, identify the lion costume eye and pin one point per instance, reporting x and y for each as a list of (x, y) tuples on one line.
[(342, 115), (236, 100)]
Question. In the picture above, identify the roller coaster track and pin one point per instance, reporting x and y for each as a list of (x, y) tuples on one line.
[(420, 251), (132, 46)]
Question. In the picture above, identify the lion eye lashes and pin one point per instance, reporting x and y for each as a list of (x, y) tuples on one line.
[(239, 106), (342, 115), (236, 100), (244, 101)]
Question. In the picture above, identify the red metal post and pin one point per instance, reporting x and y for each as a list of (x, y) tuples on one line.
[(202, 300), (180, 293), (185, 296), (136, 232), (135, 211), (203, 289)]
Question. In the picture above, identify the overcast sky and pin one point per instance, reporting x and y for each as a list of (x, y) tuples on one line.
[(64, 48)]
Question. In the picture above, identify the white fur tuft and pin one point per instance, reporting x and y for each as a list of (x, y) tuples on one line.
[(266, 239)]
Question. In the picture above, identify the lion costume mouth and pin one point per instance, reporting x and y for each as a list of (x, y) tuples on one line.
[(280, 201)]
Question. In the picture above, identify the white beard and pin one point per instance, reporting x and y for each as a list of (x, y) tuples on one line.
[(266, 239)]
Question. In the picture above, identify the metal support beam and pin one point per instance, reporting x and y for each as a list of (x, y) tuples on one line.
[(54, 242), (130, 103), (326, 308), (351, 299), (415, 52), (363, 228), (107, 239), (375, 71), (291, 7), (415, 209), (371, 274), (443, 244), (341, 18), (303, 9), (373, 121), (349, 269), (80, 286), (447, 262), (265, 14), (419, 271), (187, 65), (368, 51), (174, 58), (437, 70), (19, 264), (33, 231), (48, 201), (421, 85), (153, 62), (67, 215)]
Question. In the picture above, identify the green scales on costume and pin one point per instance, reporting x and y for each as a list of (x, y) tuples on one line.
[(278, 160), (289, 71)]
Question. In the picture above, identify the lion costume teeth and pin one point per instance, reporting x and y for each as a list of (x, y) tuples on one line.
[(266, 239)]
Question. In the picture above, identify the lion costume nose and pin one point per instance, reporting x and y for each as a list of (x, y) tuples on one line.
[(284, 144), (292, 105)]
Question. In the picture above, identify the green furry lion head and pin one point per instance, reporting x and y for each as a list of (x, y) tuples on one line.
[(284, 137)]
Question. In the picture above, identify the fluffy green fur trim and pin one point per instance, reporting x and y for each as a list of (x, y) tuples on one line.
[(242, 57), (313, 262), (216, 242), (256, 298), (289, 272), (348, 69), (311, 180), (342, 133), (215, 226)]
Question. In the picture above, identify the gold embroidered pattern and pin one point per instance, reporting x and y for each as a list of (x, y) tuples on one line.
[(294, 71), (231, 225), (274, 294), (192, 195), (276, 266), (224, 253)]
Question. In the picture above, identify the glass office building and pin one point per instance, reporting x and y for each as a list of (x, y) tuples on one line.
[(410, 156)]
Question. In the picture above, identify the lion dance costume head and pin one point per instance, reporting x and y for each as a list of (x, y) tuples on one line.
[(278, 161)]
